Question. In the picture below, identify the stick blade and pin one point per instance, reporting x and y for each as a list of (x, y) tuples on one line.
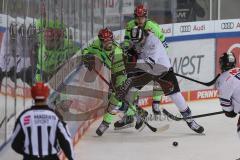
[(171, 116), (163, 128)]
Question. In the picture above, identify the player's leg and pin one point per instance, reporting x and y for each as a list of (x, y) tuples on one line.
[(157, 96), (132, 107), (128, 118), (113, 108), (176, 96), (132, 111)]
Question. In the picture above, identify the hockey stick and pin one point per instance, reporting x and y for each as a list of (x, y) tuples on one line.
[(8, 119), (173, 117), (203, 83), (153, 129)]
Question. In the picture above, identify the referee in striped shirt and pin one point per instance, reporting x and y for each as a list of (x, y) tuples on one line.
[(39, 133)]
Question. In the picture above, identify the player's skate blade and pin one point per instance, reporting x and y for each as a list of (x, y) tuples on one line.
[(124, 127)]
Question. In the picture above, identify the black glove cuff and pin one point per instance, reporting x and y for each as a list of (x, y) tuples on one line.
[(231, 114)]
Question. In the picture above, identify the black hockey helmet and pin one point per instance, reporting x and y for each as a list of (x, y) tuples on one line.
[(227, 61), (137, 34)]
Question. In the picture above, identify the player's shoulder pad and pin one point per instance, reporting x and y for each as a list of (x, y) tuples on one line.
[(225, 78), (94, 45), (153, 27), (151, 23), (234, 72), (130, 25), (118, 49)]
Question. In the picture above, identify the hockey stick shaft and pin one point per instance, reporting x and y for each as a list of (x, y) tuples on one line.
[(205, 115), (100, 75), (170, 115), (203, 83), (8, 119)]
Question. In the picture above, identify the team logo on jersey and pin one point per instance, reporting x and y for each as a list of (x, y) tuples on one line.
[(227, 25), (26, 120), (185, 28)]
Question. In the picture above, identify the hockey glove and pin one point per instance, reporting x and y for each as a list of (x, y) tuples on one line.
[(89, 61), (230, 114), (132, 57)]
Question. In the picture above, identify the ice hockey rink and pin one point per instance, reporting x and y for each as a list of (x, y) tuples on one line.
[(220, 141)]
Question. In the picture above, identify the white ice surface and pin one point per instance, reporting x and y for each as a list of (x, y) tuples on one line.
[(220, 141)]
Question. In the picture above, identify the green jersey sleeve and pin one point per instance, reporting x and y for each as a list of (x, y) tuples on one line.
[(156, 29), (128, 29)]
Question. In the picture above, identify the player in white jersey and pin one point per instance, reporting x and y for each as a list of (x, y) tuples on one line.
[(150, 51), (228, 86), (153, 59)]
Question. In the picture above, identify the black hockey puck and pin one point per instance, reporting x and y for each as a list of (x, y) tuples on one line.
[(175, 144)]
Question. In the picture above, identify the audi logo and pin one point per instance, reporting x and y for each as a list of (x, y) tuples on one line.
[(186, 28), (227, 25)]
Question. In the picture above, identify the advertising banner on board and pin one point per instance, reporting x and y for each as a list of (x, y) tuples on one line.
[(195, 59)]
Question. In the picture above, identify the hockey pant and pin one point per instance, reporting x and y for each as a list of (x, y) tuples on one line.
[(157, 90), (168, 83)]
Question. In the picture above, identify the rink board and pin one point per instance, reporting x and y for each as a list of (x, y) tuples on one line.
[(196, 57)]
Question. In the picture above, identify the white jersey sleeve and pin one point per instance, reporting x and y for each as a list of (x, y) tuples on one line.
[(154, 53), (228, 86)]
